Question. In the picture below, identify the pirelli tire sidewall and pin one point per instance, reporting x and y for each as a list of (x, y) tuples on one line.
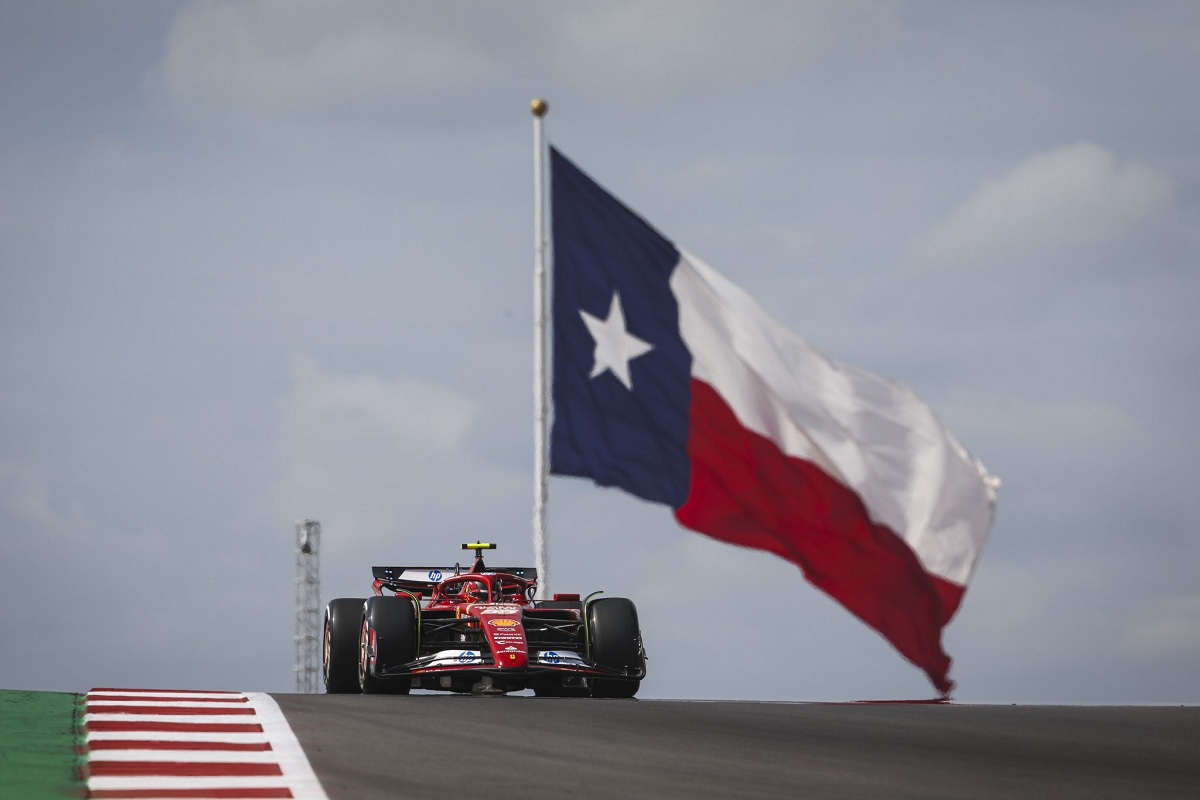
[(393, 621), (615, 642), (339, 645)]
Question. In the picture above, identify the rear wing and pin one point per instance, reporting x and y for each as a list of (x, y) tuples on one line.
[(421, 580)]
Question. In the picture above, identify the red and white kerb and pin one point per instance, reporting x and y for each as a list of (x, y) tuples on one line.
[(175, 744)]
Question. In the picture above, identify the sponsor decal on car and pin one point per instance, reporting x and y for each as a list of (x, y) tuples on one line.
[(451, 658), (435, 574), (503, 623), (500, 610), (557, 658)]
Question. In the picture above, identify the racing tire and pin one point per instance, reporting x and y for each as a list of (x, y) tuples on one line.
[(387, 638), (339, 645), (615, 642)]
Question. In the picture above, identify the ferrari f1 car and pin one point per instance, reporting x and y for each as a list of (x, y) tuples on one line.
[(480, 631)]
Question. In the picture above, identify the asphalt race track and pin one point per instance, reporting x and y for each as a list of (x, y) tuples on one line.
[(427, 746)]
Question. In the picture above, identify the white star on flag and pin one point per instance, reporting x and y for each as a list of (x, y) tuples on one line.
[(615, 347)]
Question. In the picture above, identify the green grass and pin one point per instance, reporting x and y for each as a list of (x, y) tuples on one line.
[(39, 745)]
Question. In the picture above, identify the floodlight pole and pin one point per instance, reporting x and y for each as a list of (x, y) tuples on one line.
[(540, 382), (308, 602)]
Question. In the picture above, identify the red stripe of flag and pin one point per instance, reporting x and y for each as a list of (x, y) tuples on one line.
[(746, 491)]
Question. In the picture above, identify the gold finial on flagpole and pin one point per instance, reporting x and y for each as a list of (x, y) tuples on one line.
[(539, 107)]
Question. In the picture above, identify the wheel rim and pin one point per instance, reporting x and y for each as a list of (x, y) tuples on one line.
[(363, 633), (325, 651)]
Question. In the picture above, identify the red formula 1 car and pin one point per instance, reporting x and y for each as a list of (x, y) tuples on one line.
[(480, 631)]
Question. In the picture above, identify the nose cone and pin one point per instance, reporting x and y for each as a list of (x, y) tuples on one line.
[(505, 633)]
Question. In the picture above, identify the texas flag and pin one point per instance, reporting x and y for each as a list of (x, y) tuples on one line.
[(671, 383)]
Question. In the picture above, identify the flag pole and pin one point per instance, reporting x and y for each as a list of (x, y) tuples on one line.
[(540, 384)]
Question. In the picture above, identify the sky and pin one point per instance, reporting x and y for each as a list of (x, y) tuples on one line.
[(265, 261)]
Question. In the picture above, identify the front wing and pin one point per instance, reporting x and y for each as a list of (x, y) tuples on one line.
[(453, 651)]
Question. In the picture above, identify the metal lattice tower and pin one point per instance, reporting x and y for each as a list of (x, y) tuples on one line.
[(308, 602)]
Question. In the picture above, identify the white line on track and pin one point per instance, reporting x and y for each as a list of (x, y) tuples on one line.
[(296, 768)]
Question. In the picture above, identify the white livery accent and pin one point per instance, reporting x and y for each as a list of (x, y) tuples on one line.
[(451, 658), (560, 658)]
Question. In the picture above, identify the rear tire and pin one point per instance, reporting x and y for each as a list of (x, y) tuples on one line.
[(387, 638), (339, 645), (615, 642)]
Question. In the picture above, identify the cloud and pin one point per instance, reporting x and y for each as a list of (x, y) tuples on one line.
[(268, 63), (211, 334), (774, 40), (395, 467), (1066, 247), (333, 410), (1071, 200), (1166, 627), (28, 501), (369, 452), (273, 61)]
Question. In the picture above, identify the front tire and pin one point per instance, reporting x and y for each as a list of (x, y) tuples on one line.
[(339, 645), (387, 638), (615, 642)]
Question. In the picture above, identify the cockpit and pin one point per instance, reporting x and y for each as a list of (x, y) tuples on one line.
[(486, 588)]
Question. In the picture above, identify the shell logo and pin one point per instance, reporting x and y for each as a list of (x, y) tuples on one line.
[(503, 623)]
